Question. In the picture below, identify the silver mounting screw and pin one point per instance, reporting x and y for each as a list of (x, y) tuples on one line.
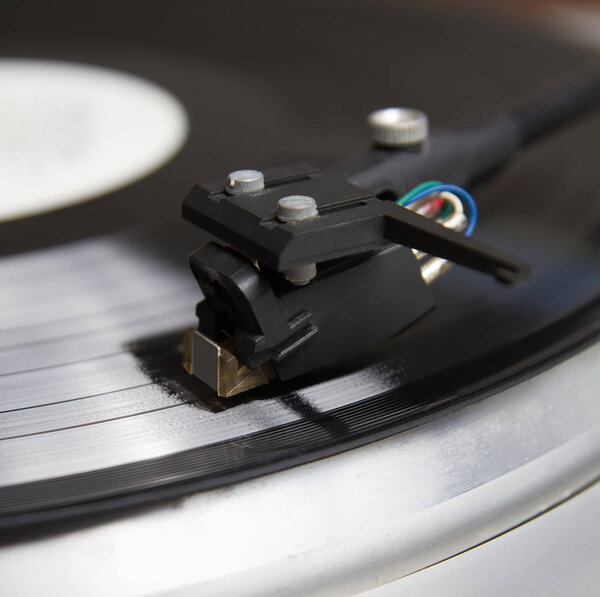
[(301, 275), (398, 127), (297, 208), (245, 181)]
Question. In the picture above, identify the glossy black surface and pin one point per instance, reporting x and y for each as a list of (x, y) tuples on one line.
[(99, 415)]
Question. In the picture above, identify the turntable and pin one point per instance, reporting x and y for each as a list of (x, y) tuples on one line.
[(408, 427)]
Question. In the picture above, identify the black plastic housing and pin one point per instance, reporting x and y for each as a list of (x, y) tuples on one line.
[(353, 305), (351, 220)]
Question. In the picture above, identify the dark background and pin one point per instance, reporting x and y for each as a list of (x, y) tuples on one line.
[(266, 83)]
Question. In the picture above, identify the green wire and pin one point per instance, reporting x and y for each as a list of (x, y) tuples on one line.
[(448, 209), (421, 187)]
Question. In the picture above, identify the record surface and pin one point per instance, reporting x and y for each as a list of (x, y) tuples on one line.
[(97, 412)]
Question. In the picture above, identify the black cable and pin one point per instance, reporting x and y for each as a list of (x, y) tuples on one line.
[(558, 106), (464, 157)]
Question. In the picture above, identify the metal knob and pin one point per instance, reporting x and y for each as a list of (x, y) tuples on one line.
[(398, 127), (245, 181), (297, 208)]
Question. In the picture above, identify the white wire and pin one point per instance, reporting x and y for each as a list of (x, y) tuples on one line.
[(433, 268)]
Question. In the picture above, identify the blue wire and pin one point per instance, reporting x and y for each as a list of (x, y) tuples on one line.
[(452, 188)]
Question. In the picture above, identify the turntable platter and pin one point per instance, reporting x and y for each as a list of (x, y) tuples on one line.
[(97, 412)]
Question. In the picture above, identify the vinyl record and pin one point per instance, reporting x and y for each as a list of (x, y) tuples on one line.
[(97, 411)]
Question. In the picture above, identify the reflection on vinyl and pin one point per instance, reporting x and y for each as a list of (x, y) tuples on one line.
[(97, 410)]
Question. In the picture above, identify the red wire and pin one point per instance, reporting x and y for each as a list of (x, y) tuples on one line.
[(433, 206)]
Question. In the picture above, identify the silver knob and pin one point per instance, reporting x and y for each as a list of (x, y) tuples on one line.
[(245, 181), (295, 208), (398, 127)]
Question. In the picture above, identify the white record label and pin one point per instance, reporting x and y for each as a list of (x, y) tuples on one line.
[(71, 132)]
